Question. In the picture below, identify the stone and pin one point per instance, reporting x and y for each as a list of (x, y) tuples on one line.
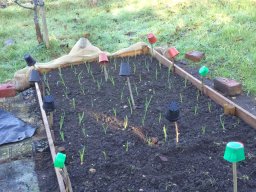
[(9, 42), (227, 86), (195, 56), (7, 90)]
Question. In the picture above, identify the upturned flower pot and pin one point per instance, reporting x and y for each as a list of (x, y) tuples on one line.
[(173, 52), (34, 76), (125, 69), (234, 152), (103, 58), (29, 60), (203, 71), (173, 112), (48, 103), (151, 38), (59, 161)]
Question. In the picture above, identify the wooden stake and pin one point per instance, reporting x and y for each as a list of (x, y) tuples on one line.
[(49, 137), (234, 176), (202, 86), (177, 132), (130, 90), (45, 29), (37, 26), (51, 119), (105, 72)]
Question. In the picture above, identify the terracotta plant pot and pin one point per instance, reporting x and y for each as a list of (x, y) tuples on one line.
[(103, 58), (29, 60), (173, 52), (173, 112), (151, 38), (48, 103), (34, 76), (125, 69)]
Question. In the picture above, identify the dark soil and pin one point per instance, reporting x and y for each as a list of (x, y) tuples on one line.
[(120, 160)]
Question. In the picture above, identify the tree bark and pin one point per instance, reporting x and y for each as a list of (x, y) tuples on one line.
[(37, 26)]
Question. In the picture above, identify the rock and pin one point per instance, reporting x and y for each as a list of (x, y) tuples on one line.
[(195, 56), (163, 158), (9, 42), (227, 86), (92, 170)]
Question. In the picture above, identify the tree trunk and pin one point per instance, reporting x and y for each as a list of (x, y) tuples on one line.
[(37, 27)]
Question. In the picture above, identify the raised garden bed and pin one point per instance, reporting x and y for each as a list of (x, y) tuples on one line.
[(112, 147)]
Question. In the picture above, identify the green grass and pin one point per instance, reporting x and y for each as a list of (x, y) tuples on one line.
[(223, 29)]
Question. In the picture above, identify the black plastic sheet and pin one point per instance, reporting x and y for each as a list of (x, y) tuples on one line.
[(13, 129)]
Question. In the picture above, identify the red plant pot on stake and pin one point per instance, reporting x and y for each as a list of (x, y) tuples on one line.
[(173, 52), (103, 59), (152, 40)]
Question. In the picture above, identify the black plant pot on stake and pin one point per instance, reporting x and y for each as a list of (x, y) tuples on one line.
[(48, 105), (125, 71), (172, 115), (36, 78), (29, 60)]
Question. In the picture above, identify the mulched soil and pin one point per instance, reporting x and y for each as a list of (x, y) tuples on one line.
[(125, 159)]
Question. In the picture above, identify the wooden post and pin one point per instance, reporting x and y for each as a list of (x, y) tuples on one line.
[(51, 119), (49, 137), (45, 29), (37, 26), (105, 72), (130, 90), (202, 86), (234, 176)]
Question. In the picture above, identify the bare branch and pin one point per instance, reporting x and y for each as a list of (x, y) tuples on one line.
[(16, 1)]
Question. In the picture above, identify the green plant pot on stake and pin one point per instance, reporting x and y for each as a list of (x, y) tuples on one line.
[(59, 161), (203, 71), (234, 153)]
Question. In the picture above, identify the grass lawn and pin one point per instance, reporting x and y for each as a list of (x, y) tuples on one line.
[(224, 29)]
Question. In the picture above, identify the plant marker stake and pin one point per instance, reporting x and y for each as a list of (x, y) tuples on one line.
[(130, 90), (177, 132), (103, 59), (48, 105), (172, 115), (203, 71), (125, 70), (173, 52), (234, 153), (152, 40)]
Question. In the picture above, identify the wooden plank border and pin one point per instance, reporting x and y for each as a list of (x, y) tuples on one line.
[(50, 140), (208, 91)]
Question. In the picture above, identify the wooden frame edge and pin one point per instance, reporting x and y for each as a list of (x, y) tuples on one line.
[(208, 91), (49, 137)]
